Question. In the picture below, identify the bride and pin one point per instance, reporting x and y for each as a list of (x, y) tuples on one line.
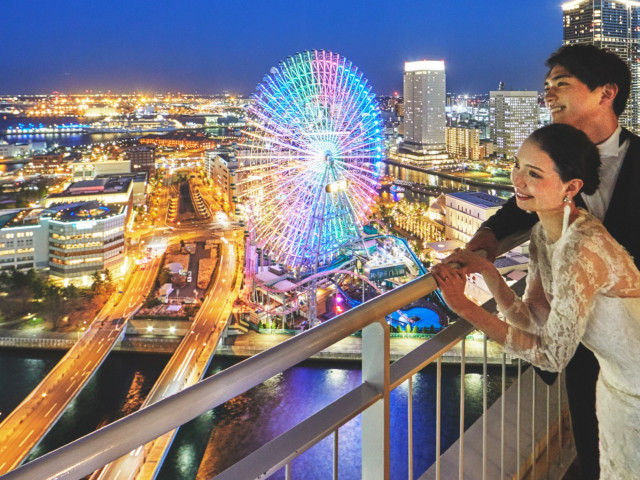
[(582, 286)]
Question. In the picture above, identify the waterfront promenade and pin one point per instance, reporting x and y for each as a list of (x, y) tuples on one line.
[(252, 343)]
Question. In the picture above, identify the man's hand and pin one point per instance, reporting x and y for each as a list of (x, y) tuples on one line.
[(484, 239), (467, 262)]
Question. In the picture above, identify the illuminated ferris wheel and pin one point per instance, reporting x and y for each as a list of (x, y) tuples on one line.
[(312, 160)]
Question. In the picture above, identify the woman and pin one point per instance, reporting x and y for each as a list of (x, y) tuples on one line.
[(582, 286)]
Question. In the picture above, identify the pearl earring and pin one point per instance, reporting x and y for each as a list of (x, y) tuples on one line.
[(567, 212)]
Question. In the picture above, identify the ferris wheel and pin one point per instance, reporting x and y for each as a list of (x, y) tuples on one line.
[(309, 167)]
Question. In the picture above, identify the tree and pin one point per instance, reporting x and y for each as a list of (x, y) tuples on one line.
[(102, 282), (98, 282), (164, 276), (5, 279), (108, 280), (53, 307), (151, 301), (71, 291)]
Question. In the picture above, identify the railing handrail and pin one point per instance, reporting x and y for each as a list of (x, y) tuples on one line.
[(87, 454)]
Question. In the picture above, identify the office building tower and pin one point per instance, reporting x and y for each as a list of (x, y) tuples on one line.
[(513, 115), (84, 238), (464, 142), (142, 159), (424, 106), (23, 240), (221, 166), (615, 26)]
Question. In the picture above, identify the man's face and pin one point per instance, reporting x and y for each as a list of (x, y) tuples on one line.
[(570, 101)]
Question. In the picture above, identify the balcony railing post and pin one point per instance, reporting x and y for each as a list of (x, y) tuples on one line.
[(375, 420), (410, 427)]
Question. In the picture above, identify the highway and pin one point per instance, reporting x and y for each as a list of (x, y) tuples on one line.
[(190, 360), (31, 420)]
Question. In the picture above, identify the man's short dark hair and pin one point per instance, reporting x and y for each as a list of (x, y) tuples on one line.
[(595, 67)]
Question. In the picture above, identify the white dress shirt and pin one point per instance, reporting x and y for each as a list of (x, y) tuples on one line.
[(611, 157)]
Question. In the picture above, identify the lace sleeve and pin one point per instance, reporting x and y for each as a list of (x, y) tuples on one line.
[(578, 273), (530, 312)]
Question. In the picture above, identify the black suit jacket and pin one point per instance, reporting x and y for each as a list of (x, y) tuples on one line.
[(622, 219)]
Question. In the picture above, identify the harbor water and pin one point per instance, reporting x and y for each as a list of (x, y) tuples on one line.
[(217, 439)]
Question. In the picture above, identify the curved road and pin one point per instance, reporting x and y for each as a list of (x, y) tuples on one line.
[(189, 362), (32, 419)]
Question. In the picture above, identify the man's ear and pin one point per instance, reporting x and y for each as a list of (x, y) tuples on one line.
[(609, 92)]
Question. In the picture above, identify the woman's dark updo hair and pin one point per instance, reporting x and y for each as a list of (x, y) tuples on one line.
[(573, 154)]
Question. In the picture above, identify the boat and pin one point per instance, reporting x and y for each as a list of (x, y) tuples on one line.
[(40, 129), (134, 125)]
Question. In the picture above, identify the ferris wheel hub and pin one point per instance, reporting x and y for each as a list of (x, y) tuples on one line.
[(328, 157)]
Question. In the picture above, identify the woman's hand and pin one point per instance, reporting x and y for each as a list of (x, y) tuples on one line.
[(451, 283), (469, 262)]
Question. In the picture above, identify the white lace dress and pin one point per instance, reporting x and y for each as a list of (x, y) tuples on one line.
[(586, 288)]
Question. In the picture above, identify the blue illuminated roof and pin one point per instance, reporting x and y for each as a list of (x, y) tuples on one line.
[(479, 198)]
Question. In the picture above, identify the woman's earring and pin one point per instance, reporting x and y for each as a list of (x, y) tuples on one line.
[(567, 212)]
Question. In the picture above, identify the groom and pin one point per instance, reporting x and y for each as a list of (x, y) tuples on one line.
[(587, 88)]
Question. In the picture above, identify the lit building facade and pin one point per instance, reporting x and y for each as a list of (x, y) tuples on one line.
[(465, 212), (180, 139), (23, 240), (424, 106), (614, 25), (513, 116), (85, 238), (142, 159), (465, 143), (48, 163), (221, 166), (90, 170)]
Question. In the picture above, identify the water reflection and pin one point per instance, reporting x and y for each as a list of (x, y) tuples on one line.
[(217, 439), (417, 176)]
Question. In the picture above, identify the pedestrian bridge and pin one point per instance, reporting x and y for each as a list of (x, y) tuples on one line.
[(525, 434)]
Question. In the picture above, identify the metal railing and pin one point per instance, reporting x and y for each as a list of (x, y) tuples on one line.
[(526, 448)]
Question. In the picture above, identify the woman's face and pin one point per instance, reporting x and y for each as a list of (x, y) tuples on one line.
[(537, 184)]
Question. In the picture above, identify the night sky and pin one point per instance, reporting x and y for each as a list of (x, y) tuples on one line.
[(207, 46)]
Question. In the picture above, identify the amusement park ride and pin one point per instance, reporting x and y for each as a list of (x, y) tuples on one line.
[(307, 179)]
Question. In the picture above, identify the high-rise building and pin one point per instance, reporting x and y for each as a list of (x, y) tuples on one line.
[(424, 106), (464, 142), (615, 26), (221, 166), (513, 115), (142, 159)]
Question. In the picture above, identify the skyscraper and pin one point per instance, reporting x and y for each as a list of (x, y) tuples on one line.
[(513, 115), (614, 25), (424, 106)]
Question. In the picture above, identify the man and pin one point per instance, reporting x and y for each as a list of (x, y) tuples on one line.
[(586, 87)]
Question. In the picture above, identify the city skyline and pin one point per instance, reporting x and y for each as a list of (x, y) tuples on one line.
[(206, 48)]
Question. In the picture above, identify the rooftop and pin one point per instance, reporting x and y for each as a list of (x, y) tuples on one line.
[(20, 217), (93, 210), (479, 198), (99, 185)]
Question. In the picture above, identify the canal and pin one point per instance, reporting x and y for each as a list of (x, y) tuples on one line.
[(215, 440)]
